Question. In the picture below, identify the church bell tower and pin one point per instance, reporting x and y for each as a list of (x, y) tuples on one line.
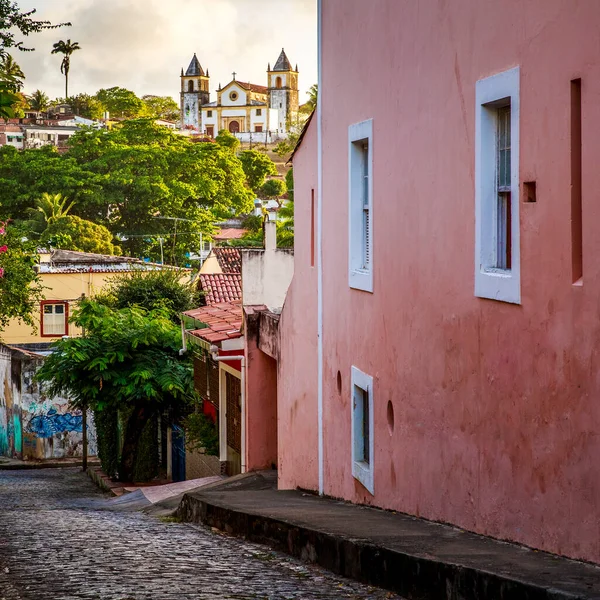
[(283, 92), (194, 94)]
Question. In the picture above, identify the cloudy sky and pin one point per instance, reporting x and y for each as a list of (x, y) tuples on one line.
[(143, 44)]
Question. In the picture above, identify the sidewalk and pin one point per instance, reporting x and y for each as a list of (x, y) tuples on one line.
[(417, 559), (14, 464)]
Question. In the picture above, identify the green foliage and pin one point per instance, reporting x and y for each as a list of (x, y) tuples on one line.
[(20, 288), (70, 232), (201, 434), (272, 188), (14, 21), (26, 175), (257, 167), (289, 184), (125, 178), (226, 139), (313, 96), (48, 209), (128, 360), (161, 107), (86, 106), (120, 102), (66, 49), (107, 435), (9, 101), (150, 290), (11, 73), (38, 101), (146, 463), (285, 225)]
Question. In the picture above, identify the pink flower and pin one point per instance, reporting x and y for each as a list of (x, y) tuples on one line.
[(1, 272), (3, 248), (2, 231)]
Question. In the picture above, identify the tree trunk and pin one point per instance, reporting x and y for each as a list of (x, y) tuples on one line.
[(135, 425), (66, 86)]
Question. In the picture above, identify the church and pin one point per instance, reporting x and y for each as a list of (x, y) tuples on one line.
[(251, 112)]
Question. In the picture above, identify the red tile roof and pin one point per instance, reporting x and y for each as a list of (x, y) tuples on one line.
[(259, 89), (223, 321), (230, 234), (229, 259), (221, 287)]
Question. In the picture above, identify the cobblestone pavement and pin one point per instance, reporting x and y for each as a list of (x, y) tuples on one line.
[(59, 540)]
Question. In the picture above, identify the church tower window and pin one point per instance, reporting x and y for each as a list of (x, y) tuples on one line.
[(278, 82), (190, 86)]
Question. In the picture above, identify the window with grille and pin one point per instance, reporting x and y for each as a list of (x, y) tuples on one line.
[(361, 206), (362, 428), (258, 112), (208, 114), (54, 319), (497, 235)]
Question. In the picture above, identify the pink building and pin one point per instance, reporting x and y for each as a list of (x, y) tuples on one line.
[(440, 341)]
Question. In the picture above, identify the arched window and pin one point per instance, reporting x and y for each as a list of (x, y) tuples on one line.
[(190, 86), (278, 82)]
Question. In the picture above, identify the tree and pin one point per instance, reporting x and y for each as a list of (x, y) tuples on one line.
[(120, 102), (13, 21), (272, 188), (66, 49), (257, 167), (150, 290), (39, 101), (161, 107), (128, 360), (226, 139), (86, 106), (285, 225), (289, 183), (48, 209), (20, 289), (26, 175), (11, 73), (70, 232), (313, 95), (9, 101)]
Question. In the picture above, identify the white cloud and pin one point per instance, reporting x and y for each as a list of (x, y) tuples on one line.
[(143, 44)]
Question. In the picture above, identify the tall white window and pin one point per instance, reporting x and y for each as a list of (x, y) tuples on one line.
[(54, 319), (362, 428), (497, 249), (360, 187)]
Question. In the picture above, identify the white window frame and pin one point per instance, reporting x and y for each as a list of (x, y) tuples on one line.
[(490, 281), (359, 277), (362, 470)]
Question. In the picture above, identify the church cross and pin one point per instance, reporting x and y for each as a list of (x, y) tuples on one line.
[(234, 74)]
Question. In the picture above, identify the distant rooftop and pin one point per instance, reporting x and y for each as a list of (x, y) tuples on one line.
[(221, 287)]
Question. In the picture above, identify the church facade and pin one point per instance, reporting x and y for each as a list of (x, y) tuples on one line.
[(252, 112)]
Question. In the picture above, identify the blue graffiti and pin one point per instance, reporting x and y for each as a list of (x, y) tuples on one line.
[(45, 426)]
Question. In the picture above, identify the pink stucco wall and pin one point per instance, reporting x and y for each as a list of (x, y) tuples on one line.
[(496, 413), (297, 376), (261, 407)]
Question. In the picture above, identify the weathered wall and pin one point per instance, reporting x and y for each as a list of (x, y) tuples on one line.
[(297, 376), (496, 413), (33, 425), (266, 276)]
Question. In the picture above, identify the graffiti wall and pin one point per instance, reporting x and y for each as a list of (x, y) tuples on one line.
[(32, 424)]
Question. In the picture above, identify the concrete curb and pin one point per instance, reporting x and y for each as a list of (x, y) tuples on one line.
[(413, 577)]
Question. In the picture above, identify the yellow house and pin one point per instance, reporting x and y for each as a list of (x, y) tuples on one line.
[(66, 276)]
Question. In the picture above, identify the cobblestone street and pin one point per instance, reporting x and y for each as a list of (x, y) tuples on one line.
[(60, 540)]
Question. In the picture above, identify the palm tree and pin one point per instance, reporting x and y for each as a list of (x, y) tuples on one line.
[(48, 209), (11, 73), (67, 48), (38, 101)]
